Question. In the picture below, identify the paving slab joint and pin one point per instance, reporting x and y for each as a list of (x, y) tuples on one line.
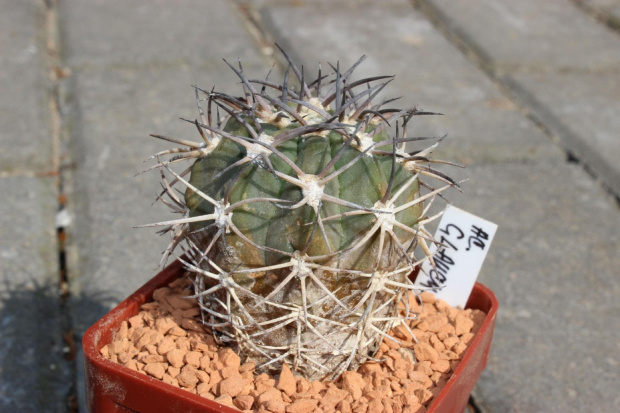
[(605, 18), (57, 129), (472, 405), (474, 54), (527, 104)]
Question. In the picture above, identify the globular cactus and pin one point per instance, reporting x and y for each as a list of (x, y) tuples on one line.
[(302, 216)]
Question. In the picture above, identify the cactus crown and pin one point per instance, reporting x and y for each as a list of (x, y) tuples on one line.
[(301, 217)]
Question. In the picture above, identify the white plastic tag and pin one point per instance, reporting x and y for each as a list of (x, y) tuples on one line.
[(467, 239)]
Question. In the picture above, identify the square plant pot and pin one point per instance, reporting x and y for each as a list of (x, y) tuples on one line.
[(112, 387)]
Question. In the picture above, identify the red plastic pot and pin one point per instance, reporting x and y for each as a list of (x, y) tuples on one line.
[(111, 387)]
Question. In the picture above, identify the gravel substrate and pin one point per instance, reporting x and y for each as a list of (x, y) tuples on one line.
[(166, 340)]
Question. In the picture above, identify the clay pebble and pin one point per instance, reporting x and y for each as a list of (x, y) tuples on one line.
[(167, 341)]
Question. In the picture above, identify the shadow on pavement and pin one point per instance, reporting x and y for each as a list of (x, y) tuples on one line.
[(38, 346)]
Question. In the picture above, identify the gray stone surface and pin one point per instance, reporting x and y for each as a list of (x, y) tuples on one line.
[(609, 9), (554, 268), (24, 147), (531, 34), (188, 37), (34, 376), (568, 76), (482, 125), (583, 109)]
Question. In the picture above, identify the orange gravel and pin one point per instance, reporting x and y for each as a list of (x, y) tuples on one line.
[(167, 341)]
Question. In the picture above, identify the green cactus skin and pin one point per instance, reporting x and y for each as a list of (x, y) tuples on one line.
[(301, 219)]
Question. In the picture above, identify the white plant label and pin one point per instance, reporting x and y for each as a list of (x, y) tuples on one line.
[(467, 239)]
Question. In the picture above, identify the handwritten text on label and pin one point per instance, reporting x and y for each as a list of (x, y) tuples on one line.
[(466, 239)]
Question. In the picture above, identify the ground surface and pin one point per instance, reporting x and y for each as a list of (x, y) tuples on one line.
[(532, 110)]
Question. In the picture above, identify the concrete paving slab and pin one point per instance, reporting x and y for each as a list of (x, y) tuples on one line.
[(567, 75), (583, 108), (34, 376), (531, 34), (482, 125), (554, 268), (26, 148), (157, 35)]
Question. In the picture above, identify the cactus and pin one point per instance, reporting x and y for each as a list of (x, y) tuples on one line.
[(302, 217)]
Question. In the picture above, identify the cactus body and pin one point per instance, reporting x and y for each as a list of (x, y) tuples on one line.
[(301, 218)]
